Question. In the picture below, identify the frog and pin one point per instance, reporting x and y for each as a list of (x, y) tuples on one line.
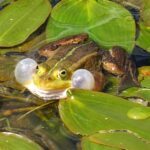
[(65, 56)]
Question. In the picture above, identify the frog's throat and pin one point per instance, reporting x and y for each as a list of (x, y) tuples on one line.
[(46, 94)]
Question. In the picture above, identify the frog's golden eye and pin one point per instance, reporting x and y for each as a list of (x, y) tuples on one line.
[(62, 74)]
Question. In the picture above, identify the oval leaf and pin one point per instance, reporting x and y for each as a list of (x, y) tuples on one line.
[(144, 36), (145, 12), (86, 112), (143, 93), (114, 140), (20, 19), (12, 141), (107, 23), (146, 82)]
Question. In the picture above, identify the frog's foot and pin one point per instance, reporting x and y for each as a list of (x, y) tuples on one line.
[(129, 79)]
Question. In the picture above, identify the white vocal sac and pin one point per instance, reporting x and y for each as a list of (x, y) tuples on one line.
[(83, 79), (24, 70)]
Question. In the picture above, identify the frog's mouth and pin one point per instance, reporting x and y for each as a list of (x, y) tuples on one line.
[(47, 94)]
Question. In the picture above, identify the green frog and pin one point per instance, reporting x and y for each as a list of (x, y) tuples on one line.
[(68, 55)]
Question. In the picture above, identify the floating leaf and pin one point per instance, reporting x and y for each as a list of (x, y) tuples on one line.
[(145, 12), (137, 92), (144, 36), (114, 140), (86, 144), (12, 141), (30, 45), (86, 112), (146, 82), (20, 19), (106, 22), (138, 113), (143, 39)]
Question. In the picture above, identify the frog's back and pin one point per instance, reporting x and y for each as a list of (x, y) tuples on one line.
[(73, 56)]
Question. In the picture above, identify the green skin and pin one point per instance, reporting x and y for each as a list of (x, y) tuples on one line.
[(77, 52), (56, 72)]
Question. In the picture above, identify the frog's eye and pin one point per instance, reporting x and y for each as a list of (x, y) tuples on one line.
[(62, 74), (24, 70), (83, 79)]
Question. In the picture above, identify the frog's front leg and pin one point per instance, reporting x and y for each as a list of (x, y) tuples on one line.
[(117, 62)]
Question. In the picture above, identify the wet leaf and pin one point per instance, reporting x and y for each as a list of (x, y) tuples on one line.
[(89, 145), (114, 140), (144, 36), (106, 22), (86, 112), (146, 82), (137, 92), (12, 141), (30, 45), (20, 19), (145, 12)]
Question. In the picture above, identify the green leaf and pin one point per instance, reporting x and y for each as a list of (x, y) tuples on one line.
[(114, 140), (137, 92), (146, 82), (30, 45), (86, 112), (20, 19), (106, 22), (143, 39), (11, 141), (145, 12), (144, 36), (86, 144)]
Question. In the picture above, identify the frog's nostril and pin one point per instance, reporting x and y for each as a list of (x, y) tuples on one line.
[(49, 78)]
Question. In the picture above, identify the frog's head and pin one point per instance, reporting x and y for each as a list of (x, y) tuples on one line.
[(51, 83), (48, 79)]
